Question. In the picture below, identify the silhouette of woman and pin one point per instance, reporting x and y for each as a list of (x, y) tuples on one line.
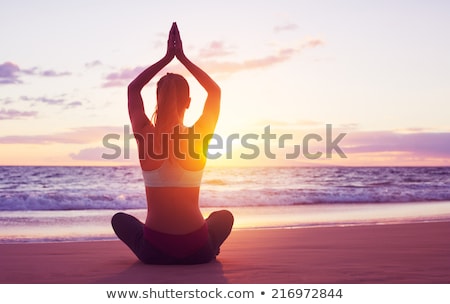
[(172, 157)]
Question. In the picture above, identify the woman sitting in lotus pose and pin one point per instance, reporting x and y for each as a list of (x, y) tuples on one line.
[(172, 157)]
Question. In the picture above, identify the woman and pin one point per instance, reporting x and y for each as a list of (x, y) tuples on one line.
[(172, 159)]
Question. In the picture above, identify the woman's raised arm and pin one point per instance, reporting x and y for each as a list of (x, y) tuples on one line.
[(208, 119), (135, 103)]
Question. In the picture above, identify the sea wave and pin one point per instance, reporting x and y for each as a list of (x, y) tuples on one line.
[(117, 188)]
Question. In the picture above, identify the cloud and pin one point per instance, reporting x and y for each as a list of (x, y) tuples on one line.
[(312, 43), (372, 145), (122, 77), (426, 144), (83, 135), (93, 64), (15, 114), (287, 124), (50, 101), (118, 154), (6, 100), (52, 73), (73, 104), (216, 49), (283, 55), (91, 154), (286, 27), (10, 73), (234, 67), (44, 73)]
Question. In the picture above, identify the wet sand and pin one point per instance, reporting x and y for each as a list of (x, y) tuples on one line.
[(397, 253)]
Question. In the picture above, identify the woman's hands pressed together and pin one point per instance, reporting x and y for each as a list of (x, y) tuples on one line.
[(174, 44)]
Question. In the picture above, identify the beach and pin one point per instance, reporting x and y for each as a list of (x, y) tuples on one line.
[(292, 225), (414, 253)]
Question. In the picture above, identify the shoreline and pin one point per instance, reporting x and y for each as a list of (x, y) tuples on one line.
[(94, 225), (294, 227), (402, 253)]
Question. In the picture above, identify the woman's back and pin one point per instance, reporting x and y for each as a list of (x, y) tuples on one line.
[(172, 181)]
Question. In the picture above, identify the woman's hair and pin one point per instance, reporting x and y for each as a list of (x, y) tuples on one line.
[(172, 99)]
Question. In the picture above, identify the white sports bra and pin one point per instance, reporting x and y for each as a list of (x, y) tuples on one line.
[(171, 174)]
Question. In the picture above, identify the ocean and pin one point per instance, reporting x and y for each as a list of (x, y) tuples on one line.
[(47, 204)]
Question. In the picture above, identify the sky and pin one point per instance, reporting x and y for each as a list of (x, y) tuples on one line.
[(375, 74)]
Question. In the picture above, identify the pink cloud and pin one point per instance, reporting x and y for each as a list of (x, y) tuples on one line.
[(312, 43), (282, 55), (103, 153), (91, 154), (234, 67), (81, 135), (215, 49), (286, 27)]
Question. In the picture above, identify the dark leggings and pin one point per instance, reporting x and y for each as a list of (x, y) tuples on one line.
[(131, 231)]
